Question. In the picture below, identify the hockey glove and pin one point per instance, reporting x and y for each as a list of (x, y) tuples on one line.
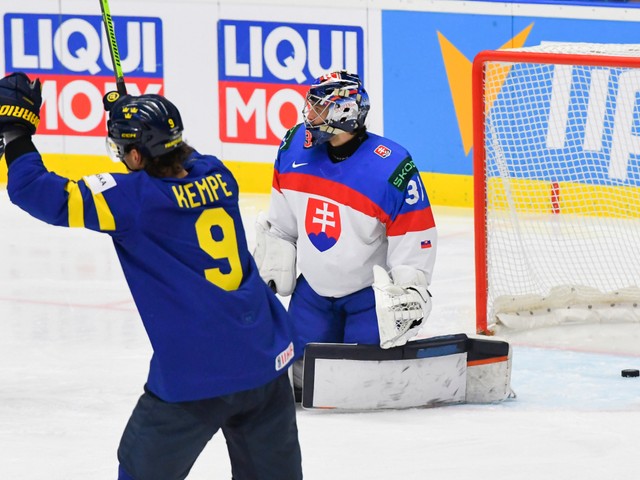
[(275, 257), (401, 309), (20, 101)]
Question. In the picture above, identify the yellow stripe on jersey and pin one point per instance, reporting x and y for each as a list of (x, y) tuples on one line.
[(75, 206), (105, 217)]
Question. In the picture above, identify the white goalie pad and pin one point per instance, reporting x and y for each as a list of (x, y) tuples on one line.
[(488, 370), (275, 258), (401, 306), (426, 373)]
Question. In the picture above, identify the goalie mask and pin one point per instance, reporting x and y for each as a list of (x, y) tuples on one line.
[(336, 103), (150, 123)]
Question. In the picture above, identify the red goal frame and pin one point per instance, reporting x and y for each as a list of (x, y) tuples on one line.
[(479, 153)]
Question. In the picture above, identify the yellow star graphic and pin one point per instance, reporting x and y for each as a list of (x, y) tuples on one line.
[(458, 68)]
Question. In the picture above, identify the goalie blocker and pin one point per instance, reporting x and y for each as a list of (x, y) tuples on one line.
[(430, 372)]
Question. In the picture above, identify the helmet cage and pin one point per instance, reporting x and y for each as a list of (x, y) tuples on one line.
[(337, 104)]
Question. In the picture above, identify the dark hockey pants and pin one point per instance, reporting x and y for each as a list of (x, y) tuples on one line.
[(163, 440)]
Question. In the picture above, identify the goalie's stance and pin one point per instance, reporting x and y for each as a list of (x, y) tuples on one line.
[(221, 339), (344, 202)]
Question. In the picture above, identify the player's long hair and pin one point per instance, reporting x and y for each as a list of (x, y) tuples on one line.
[(170, 164)]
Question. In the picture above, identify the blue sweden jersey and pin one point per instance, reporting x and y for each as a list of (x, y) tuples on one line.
[(214, 325)]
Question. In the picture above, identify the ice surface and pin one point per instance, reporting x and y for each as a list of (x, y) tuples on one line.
[(74, 357)]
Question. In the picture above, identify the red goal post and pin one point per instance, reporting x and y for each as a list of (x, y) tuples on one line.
[(556, 185)]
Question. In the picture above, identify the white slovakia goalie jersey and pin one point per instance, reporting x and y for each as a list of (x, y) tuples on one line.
[(345, 217)]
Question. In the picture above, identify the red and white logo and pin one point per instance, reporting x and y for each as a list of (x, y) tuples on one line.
[(71, 58), (382, 151), (261, 88), (330, 76), (322, 223), (284, 357)]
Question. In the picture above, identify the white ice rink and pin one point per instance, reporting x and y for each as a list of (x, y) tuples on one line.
[(74, 356)]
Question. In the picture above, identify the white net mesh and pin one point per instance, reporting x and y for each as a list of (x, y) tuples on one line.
[(562, 178)]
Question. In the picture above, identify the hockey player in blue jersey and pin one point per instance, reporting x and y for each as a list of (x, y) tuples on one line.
[(221, 340), (350, 213), (344, 201)]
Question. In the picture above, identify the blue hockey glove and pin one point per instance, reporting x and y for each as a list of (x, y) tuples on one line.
[(20, 101)]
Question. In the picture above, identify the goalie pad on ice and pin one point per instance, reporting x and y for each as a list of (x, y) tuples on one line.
[(275, 258), (488, 370), (424, 373)]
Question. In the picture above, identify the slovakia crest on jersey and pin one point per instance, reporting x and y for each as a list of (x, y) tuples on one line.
[(322, 223)]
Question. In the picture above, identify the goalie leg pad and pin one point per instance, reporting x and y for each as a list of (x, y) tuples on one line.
[(366, 377), (488, 371), (430, 372)]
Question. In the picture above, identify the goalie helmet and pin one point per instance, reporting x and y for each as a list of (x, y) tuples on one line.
[(149, 122), (336, 103)]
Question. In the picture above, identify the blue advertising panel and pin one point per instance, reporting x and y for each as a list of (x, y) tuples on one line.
[(427, 73), (75, 45), (595, 116), (265, 69), (70, 55)]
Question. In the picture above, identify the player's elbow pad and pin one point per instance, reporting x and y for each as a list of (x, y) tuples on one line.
[(275, 257)]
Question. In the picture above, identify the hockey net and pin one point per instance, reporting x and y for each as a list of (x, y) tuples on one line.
[(557, 185)]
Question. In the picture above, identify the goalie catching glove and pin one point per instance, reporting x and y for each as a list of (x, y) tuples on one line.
[(275, 257), (402, 304), (20, 101)]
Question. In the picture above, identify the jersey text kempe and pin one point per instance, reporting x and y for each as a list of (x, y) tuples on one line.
[(201, 192)]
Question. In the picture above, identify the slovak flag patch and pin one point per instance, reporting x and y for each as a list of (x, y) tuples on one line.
[(425, 244), (322, 223), (382, 151)]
